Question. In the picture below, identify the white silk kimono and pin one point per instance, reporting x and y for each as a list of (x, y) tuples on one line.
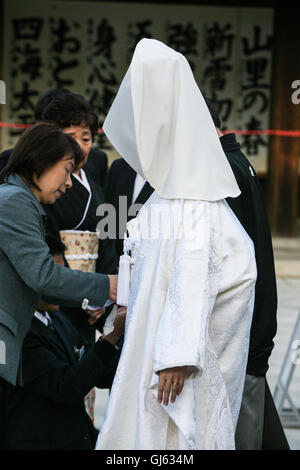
[(190, 304)]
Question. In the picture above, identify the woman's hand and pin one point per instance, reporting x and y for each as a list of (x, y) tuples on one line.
[(95, 315), (171, 381)]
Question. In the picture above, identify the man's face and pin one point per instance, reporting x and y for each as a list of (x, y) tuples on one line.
[(44, 306)]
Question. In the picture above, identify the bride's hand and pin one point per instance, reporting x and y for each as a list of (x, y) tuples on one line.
[(171, 381)]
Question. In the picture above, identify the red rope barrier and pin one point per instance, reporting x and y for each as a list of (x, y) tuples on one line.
[(278, 132), (266, 132), (12, 125)]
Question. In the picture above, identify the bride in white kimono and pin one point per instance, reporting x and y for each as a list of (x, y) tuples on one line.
[(192, 283)]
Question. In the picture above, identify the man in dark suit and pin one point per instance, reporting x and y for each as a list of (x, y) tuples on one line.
[(124, 189), (96, 166), (259, 425), (59, 369)]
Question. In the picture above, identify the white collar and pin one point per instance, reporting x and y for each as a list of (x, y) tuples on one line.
[(83, 180), (43, 317)]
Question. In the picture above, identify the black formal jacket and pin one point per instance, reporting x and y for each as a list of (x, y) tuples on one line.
[(49, 412), (96, 166), (250, 209), (65, 214), (70, 210), (120, 182)]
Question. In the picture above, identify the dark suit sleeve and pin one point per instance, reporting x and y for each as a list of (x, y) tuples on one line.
[(46, 376)]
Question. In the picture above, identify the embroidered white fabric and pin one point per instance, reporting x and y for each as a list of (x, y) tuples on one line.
[(189, 305)]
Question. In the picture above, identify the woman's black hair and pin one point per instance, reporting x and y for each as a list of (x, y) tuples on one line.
[(39, 148), (71, 109)]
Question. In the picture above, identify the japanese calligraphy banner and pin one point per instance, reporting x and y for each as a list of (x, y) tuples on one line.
[(86, 47)]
